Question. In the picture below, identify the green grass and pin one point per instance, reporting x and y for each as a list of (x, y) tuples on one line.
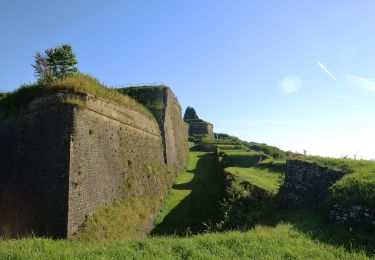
[(273, 165), (229, 141), (346, 165), (15, 103), (273, 151), (230, 147), (263, 178), (355, 188), (193, 199), (241, 158), (152, 97), (283, 241)]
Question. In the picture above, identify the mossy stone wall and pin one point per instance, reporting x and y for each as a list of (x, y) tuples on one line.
[(69, 155), (306, 183)]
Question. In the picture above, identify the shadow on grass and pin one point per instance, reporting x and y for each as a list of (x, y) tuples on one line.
[(200, 206), (313, 224)]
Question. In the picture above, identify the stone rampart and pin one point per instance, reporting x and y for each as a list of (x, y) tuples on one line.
[(70, 154), (201, 128), (162, 102)]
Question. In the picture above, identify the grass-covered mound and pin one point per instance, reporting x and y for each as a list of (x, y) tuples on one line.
[(15, 103), (222, 141), (241, 158), (272, 151), (281, 242), (355, 189), (261, 177)]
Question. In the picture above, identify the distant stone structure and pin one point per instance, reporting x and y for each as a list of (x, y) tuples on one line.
[(197, 126), (67, 155)]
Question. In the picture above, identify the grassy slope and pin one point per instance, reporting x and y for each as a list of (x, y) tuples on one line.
[(263, 178), (357, 187), (194, 197), (280, 242)]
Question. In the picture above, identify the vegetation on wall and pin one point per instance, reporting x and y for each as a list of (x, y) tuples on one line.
[(152, 97), (190, 114), (16, 102), (55, 63)]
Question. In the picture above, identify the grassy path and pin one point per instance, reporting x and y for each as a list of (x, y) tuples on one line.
[(194, 197)]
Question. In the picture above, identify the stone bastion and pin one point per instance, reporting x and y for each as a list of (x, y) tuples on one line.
[(68, 155)]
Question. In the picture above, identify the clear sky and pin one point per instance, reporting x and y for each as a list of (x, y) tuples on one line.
[(295, 74)]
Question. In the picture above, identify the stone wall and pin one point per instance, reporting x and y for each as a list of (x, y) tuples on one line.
[(116, 153), (351, 214), (306, 183), (162, 102), (34, 175), (201, 128), (71, 154)]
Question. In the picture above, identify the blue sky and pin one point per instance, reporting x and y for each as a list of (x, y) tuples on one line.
[(295, 74)]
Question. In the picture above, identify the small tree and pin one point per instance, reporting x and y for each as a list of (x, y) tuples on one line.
[(55, 63), (42, 70)]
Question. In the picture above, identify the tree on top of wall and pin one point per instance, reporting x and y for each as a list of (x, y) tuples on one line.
[(190, 114), (55, 63)]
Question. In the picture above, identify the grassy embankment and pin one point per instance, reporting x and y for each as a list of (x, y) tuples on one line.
[(355, 188), (14, 103)]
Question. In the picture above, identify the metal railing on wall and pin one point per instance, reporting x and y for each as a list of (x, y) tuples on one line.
[(138, 85)]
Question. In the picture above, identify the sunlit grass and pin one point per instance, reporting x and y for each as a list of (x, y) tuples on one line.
[(280, 242), (260, 177)]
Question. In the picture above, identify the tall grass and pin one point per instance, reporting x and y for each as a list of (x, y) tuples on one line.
[(280, 242)]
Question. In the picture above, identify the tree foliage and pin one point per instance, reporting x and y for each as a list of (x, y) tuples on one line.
[(55, 63), (190, 114)]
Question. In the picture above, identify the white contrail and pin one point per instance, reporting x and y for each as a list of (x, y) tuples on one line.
[(325, 69)]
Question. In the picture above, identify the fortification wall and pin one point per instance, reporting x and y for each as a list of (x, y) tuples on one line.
[(201, 128), (175, 134), (70, 155), (34, 159), (162, 102), (116, 153), (306, 184)]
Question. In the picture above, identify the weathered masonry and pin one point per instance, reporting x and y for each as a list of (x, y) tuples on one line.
[(70, 154), (306, 183)]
